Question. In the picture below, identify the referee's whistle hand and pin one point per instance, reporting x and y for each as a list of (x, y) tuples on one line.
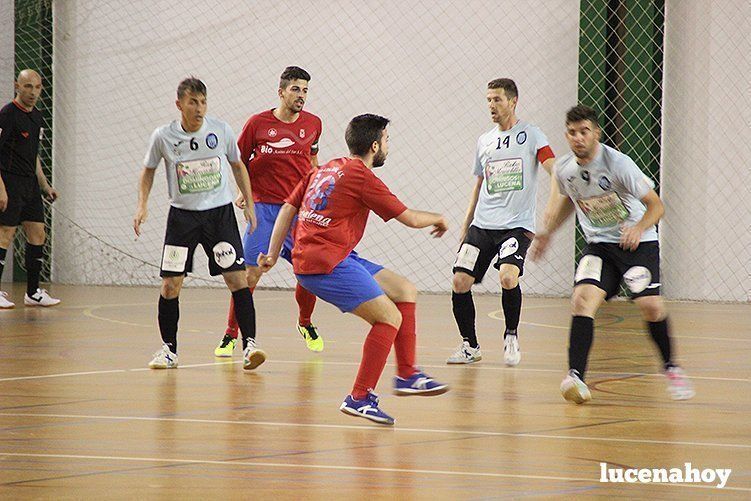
[(51, 194)]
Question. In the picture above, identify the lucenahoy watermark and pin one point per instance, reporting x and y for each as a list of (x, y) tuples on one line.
[(687, 474)]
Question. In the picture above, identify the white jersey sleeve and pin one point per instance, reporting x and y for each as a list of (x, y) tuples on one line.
[(154, 151), (633, 180), (477, 168), (233, 151)]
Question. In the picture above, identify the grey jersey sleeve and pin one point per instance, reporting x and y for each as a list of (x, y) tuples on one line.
[(541, 141), (477, 169), (154, 152), (633, 180), (233, 151)]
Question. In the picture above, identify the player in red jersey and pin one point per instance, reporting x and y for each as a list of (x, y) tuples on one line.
[(333, 204), (279, 147)]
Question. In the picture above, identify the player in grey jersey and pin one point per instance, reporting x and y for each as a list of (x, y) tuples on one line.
[(617, 209), (199, 153), (500, 220)]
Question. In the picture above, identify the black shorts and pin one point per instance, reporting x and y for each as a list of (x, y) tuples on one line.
[(606, 265), (216, 231), (480, 247), (24, 200)]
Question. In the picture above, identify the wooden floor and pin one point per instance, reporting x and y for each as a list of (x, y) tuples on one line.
[(82, 417)]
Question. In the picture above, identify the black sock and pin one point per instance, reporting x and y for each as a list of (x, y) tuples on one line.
[(660, 332), (464, 314), (34, 255), (511, 301), (169, 314), (3, 253), (579, 343), (245, 313)]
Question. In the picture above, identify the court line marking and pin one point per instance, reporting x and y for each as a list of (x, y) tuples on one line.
[(351, 364), (230, 462), (495, 316), (365, 427)]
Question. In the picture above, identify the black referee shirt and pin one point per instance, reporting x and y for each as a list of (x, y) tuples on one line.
[(19, 139)]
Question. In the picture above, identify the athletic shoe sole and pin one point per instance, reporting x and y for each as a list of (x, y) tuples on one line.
[(573, 394), (464, 362), (375, 419), (406, 392), (256, 359)]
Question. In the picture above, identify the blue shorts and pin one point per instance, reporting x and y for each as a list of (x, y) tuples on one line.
[(348, 285), (258, 241)]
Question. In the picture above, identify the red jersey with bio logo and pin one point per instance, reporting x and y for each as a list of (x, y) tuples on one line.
[(277, 154), (334, 202)]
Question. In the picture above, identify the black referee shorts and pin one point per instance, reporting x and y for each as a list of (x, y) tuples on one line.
[(24, 200)]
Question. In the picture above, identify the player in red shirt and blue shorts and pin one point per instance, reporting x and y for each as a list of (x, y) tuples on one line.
[(332, 204), (279, 147)]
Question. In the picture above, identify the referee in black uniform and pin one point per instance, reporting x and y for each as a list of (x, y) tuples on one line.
[(22, 184)]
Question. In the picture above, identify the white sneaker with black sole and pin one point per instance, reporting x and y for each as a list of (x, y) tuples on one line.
[(465, 354), (40, 298)]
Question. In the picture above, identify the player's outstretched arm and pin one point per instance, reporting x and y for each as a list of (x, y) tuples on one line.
[(558, 209), (144, 188), (278, 234), (243, 183), (421, 219)]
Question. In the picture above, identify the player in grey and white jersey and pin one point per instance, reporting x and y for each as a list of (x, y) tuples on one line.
[(617, 207)]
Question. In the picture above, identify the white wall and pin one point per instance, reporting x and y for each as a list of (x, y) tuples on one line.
[(706, 233), (423, 64), (6, 82)]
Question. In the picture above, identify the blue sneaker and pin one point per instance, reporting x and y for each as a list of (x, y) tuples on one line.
[(366, 408), (418, 383)]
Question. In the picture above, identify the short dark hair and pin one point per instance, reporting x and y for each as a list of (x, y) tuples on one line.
[(363, 131), (582, 112), (292, 73), (191, 84), (508, 86)]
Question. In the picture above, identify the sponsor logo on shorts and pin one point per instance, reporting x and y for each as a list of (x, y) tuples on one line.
[(637, 278), (224, 254)]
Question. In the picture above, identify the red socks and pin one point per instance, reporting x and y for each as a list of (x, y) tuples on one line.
[(406, 340), (375, 352), (306, 301)]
